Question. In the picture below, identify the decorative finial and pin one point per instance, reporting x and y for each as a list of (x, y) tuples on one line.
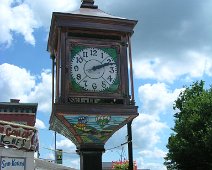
[(88, 4)]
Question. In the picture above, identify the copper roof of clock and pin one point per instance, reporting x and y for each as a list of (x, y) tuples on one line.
[(94, 12)]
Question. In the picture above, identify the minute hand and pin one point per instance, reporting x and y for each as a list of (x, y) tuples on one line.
[(100, 66)]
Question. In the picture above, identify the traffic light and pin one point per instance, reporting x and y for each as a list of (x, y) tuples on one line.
[(59, 156)]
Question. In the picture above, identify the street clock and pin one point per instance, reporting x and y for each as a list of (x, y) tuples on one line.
[(91, 53)]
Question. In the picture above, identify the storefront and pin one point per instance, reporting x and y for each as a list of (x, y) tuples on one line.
[(12, 159), (18, 143)]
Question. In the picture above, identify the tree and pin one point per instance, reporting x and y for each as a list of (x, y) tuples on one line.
[(190, 146)]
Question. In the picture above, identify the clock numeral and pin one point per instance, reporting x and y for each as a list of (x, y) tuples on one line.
[(94, 86), (93, 52), (110, 78), (76, 68), (85, 54), (112, 70), (79, 59), (109, 60), (85, 81), (79, 77), (104, 84), (102, 55)]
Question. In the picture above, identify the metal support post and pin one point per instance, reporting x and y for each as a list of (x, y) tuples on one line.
[(90, 157), (130, 149)]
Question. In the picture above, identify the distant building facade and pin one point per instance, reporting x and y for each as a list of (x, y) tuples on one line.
[(16, 112), (18, 136)]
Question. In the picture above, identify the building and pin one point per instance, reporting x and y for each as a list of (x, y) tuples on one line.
[(19, 138), (46, 165), (16, 112)]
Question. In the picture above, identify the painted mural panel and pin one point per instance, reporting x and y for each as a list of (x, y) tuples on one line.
[(95, 128)]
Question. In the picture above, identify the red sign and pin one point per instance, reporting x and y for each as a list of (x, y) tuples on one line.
[(19, 136)]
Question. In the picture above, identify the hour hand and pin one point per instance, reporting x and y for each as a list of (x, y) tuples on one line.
[(94, 68)]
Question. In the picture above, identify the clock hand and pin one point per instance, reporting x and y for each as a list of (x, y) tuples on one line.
[(101, 65), (94, 68)]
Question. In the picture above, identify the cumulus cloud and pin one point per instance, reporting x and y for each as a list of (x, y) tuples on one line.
[(154, 154), (15, 82), (16, 19), (42, 92), (42, 10), (157, 98), (149, 159), (149, 130), (172, 38), (23, 17), (72, 162), (142, 126), (191, 64), (39, 124), (70, 157), (167, 27), (65, 143), (19, 83)]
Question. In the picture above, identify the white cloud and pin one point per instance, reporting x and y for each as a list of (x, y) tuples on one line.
[(157, 98), (15, 82), (42, 92), (70, 157), (162, 68), (43, 9), (142, 126), (150, 164), (154, 153), (148, 130), (18, 83), (39, 124), (16, 19), (23, 17), (73, 162), (65, 143)]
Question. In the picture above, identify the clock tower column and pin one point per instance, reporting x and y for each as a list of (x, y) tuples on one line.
[(92, 97)]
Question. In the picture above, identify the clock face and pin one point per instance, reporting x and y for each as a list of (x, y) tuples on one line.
[(95, 70)]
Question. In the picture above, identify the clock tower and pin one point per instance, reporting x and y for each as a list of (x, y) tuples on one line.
[(91, 51)]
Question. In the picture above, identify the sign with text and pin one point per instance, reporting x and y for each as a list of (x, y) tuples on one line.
[(12, 163), (18, 136)]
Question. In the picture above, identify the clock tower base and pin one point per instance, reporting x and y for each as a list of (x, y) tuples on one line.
[(90, 156)]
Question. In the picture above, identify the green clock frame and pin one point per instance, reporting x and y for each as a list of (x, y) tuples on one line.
[(110, 51)]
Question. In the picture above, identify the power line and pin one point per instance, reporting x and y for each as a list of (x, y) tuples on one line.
[(118, 146), (121, 145), (59, 151)]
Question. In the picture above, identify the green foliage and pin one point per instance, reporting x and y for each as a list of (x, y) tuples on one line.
[(190, 146)]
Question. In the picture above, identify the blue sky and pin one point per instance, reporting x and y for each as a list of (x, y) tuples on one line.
[(171, 48)]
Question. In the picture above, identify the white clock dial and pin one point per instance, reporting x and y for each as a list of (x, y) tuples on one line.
[(93, 69)]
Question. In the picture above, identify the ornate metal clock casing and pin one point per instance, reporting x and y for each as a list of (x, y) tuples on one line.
[(92, 96), (95, 69)]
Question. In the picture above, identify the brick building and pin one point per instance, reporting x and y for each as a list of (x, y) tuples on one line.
[(16, 112)]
